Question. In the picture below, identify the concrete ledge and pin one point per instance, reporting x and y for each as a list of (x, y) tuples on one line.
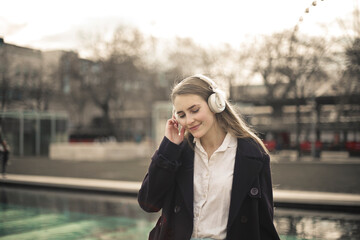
[(334, 155), (73, 183), (321, 198), (281, 197), (99, 151)]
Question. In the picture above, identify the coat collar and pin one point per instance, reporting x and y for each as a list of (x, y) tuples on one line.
[(247, 166)]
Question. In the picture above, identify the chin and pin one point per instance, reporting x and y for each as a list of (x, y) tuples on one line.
[(197, 134)]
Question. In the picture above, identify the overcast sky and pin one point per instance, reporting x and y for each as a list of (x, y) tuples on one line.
[(54, 24)]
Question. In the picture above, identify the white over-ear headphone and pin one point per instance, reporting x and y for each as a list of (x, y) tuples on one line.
[(217, 100)]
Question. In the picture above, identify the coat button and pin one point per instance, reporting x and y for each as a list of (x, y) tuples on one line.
[(243, 219), (254, 191), (177, 209)]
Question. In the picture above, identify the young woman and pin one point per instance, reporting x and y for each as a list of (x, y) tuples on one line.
[(211, 174)]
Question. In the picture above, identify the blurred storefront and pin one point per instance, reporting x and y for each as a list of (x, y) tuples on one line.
[(325, 122)]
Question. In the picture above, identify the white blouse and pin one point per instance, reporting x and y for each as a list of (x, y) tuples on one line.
[(212, 188)]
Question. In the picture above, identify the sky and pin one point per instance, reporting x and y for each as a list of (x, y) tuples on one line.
[(49, 25)]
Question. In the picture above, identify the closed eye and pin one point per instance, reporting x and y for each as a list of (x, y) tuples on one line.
[(195, 111), (192, 111)]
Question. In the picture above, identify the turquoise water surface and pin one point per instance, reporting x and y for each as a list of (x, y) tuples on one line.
[(28, 214), (26, 223), (19, 223)]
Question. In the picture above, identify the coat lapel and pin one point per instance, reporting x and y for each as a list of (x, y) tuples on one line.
[(185, 179), (246, 169)]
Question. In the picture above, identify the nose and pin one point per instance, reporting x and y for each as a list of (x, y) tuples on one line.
[(189, 119)]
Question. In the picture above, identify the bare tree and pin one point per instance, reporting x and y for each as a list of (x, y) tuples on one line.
[(292, 67), (347, 85), (351, 47), (116, 75), (71, 85), (187, 58), (266, 60), (304, 71)]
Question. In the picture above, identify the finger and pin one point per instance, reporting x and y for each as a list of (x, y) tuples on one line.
[(174, 122), (182, 132), (170, 122)]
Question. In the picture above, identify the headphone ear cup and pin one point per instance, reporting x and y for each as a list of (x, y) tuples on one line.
[(216, 102)]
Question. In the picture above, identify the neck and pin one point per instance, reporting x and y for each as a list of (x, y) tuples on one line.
[(213, 139)]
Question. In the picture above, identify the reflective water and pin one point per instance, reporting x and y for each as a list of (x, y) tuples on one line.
[(304, 224), (43, 214), (20, 223)]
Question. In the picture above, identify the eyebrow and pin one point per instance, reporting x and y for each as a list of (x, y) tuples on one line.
[(187, 109)]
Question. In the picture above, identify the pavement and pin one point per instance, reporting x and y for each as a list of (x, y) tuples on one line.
[(304, 181), (331, 174)]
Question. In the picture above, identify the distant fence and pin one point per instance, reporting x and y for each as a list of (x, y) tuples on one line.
[(30, 133)]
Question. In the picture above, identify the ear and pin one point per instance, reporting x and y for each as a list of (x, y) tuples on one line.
[(174, 113)]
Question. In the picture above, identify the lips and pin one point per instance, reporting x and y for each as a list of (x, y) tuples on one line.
[(194, 128)]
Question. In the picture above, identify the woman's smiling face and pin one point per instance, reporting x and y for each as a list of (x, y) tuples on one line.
[(194, 114)]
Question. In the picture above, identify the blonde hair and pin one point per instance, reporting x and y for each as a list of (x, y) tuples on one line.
[(228, 119)]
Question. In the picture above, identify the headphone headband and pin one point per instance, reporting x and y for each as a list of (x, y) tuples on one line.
[(207, 80), (217, 100)]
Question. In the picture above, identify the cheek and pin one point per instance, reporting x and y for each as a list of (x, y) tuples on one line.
[(208, 119), (181, 121), (205, 116)]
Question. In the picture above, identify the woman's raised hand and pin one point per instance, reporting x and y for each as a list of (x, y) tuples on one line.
[(172, 131)]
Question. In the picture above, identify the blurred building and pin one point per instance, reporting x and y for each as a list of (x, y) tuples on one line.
[(30, 120), (45, 98), (55, 96)]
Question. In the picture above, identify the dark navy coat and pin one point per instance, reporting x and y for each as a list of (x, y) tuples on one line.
[(168, 185)]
